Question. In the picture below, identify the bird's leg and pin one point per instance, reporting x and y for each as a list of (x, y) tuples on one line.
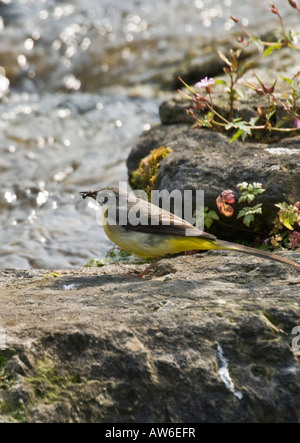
[(192, 252), (142, 274)]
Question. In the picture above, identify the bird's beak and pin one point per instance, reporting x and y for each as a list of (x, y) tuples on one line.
[(86, 194)]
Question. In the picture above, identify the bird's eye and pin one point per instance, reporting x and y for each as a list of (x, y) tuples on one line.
[(105, 200)]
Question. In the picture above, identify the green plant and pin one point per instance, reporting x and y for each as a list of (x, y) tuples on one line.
[(285, 224), (288, 215), (288, 124), (248, 213), (120, 256), (249, 191), (283, 234), (235, 72), (209, 217), (287, 38)]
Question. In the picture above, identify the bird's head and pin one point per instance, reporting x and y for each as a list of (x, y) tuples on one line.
[(104, 196)]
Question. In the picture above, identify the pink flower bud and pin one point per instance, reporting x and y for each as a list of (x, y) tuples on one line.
[(293, 4), (260, 91), (274, 9), (190, 112), (235, 19)]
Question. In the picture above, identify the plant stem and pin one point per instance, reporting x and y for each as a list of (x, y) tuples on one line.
[(285, 43), (218, 115), (292, 112), (273, 128), (286, 40), (230, 117)]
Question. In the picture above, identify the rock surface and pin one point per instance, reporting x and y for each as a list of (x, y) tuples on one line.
[(203, 159), (205, 338)]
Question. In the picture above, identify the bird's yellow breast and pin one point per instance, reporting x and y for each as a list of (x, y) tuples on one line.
[(154, 245)]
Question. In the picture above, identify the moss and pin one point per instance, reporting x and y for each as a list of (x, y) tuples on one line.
[(48, 385), (45, 367), (260, 371), (5, 356), (44, 383), (3, 361), (7, 406), (118, 256), (144, 177), (9, 409)]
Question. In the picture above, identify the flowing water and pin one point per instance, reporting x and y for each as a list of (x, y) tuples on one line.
[(86, 78)]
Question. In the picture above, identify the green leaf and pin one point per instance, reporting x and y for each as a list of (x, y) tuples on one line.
[(270, 113), (259, 191), (243, 70), (248, 213), (248, 219), (270, 49), (236, 135), (219, 81), (287, 224), (249, 191), (253, 121), (242, 186), (243, 198), (250, 198), (290, 36), (258, 186), (206, 120), (187, 86), (242, 127), (287, 215), (257, 209), (286, 79), (209, 217)]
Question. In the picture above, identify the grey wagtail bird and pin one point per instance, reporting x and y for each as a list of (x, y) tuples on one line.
[(161, 232)]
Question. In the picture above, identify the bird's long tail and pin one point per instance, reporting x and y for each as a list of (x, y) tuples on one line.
[(257, 252)]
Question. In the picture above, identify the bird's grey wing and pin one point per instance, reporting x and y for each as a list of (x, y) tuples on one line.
[(161, 222)]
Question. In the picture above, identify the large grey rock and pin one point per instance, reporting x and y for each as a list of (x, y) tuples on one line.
[(205, 160), (205, 338)]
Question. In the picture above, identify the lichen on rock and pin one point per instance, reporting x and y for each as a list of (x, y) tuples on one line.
[(144, 177)]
